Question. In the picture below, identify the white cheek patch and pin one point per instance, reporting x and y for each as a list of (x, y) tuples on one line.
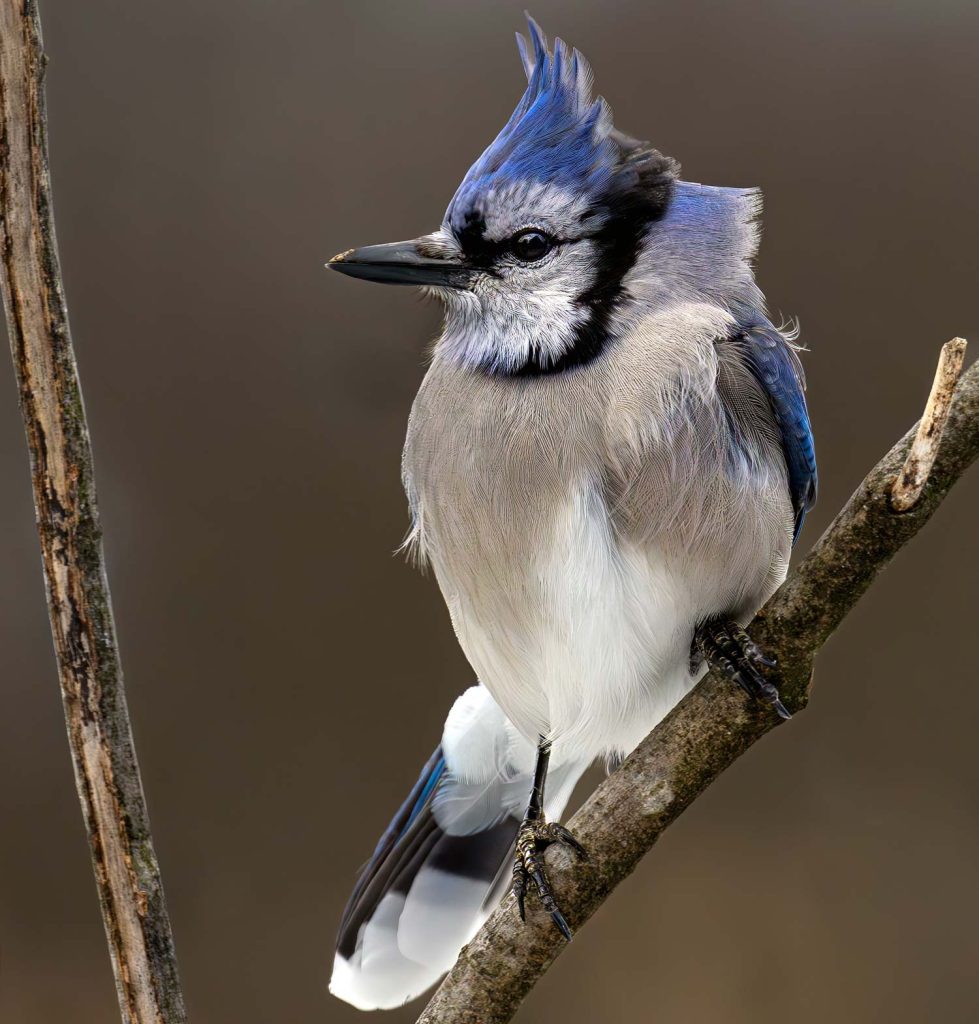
[(528, 311), (505, 331)]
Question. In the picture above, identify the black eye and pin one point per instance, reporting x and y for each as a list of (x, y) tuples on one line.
[(531, 245)]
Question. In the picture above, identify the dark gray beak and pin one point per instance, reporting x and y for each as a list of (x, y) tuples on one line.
[(401, 263)]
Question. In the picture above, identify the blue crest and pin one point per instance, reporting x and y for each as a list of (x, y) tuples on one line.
[(559, 134)]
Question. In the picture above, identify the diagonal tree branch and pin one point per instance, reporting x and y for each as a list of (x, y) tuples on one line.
[(109, 787), (711, 727)]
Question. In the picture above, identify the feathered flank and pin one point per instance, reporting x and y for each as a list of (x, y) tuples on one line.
[(559, 134)]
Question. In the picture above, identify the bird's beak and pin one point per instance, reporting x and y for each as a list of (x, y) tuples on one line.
[(402, 263)]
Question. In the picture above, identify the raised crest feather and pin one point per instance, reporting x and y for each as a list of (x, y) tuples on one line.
[(560, 133)]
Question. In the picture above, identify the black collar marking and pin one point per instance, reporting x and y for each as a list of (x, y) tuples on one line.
[(617, 245), (628, 215)]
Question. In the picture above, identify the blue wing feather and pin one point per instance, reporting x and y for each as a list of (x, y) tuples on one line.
[(776, 366)]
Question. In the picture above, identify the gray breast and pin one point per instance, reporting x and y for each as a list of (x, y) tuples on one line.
[(665, 444)]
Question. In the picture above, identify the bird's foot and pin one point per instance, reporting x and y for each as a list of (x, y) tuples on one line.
[(727, 648), (534, 837)]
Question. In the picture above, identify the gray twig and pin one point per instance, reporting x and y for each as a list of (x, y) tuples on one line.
[(711, 727), (106, 773), (914, 473)]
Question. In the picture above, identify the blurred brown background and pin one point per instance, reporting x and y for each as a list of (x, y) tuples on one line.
[(287, 676)]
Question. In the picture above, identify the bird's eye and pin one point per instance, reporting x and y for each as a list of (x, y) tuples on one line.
[(531, 245)]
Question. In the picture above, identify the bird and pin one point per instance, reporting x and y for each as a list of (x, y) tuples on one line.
[(607, 464)]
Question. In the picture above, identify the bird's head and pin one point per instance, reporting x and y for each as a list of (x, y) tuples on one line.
[(535, 248)]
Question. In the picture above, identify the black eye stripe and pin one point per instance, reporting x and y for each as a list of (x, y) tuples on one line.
[(479, 250), (486, 253), (617, 244)]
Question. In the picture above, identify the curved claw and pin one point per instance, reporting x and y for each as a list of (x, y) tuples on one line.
[(751, 649), (566, 838), (563, 927), (781, 709)]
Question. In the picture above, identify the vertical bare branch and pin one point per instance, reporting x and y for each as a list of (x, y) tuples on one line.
[(99, 733), (914, 474)]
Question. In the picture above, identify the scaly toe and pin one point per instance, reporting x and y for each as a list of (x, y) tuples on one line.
[(532, 840), (728, 649)]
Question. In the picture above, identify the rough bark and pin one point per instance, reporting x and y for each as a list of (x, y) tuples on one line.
[(99, 733), (708, 730)]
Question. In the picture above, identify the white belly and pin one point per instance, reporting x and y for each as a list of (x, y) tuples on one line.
[(593, 648)]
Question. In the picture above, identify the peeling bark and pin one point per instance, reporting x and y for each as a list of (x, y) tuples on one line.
[(104, 758)]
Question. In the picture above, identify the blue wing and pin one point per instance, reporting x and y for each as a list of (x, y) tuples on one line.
[(775, 365), (387, 858)]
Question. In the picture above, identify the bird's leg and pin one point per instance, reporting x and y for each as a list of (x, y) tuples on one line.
[(726, 647), (535, 836)]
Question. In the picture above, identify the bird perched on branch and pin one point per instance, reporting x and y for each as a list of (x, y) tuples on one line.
[(607, 464)]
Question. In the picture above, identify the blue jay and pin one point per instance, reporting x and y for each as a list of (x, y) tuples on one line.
[(607, 464)]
